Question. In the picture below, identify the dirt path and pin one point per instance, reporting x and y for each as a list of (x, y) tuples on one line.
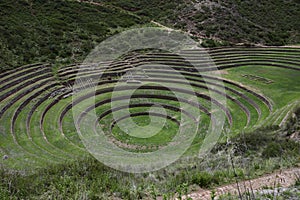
[(284, 178), (162, 26)]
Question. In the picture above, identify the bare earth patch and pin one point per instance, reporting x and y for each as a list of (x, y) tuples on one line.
[(283, 178)]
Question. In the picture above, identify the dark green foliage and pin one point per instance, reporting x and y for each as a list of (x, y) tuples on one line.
[(64, 31), (297, 180), (293, 124), (203, 179), (277, 17), (272, 150), (267, 141), (210, 43), (155, 9), (256, 139), (267, 22)]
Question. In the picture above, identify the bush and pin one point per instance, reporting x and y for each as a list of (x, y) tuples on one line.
[(272, 150), (203, 179), (209, 43), (297, 183)]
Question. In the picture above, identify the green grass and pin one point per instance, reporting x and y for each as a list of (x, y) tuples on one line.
[(69, 141), (169, 130), (283, 91), (61, 32), (89, 178), (257, 151)]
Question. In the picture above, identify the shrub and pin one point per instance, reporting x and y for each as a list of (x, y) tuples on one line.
[(272, 150), (203, 179), (297, 183), (208, 43)]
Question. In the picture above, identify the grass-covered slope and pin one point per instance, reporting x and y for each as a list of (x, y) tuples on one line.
[(65, 31), (39, 143), (254, 154), (36, 107), (60, 31)]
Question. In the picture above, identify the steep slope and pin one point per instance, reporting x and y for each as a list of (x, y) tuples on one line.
[(234, 21), (64, 31)]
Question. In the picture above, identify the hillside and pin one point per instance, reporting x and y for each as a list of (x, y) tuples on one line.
[(57, 31), (63, 32), (265, 22), (148, 122)]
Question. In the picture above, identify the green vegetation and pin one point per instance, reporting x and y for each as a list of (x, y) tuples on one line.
[(40, 112), (154, 10), (227, 22), (290, 193), (57, 31), (234, 21), (62, 31), (41, 108), (87, 178)]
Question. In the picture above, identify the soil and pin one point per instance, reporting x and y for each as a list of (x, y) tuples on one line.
[(283, 178)]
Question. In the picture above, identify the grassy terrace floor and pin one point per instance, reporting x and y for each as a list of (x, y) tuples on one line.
[(260, 85), (38, 107)]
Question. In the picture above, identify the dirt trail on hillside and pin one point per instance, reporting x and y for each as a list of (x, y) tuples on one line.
[(162, 26), (284, 178)]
